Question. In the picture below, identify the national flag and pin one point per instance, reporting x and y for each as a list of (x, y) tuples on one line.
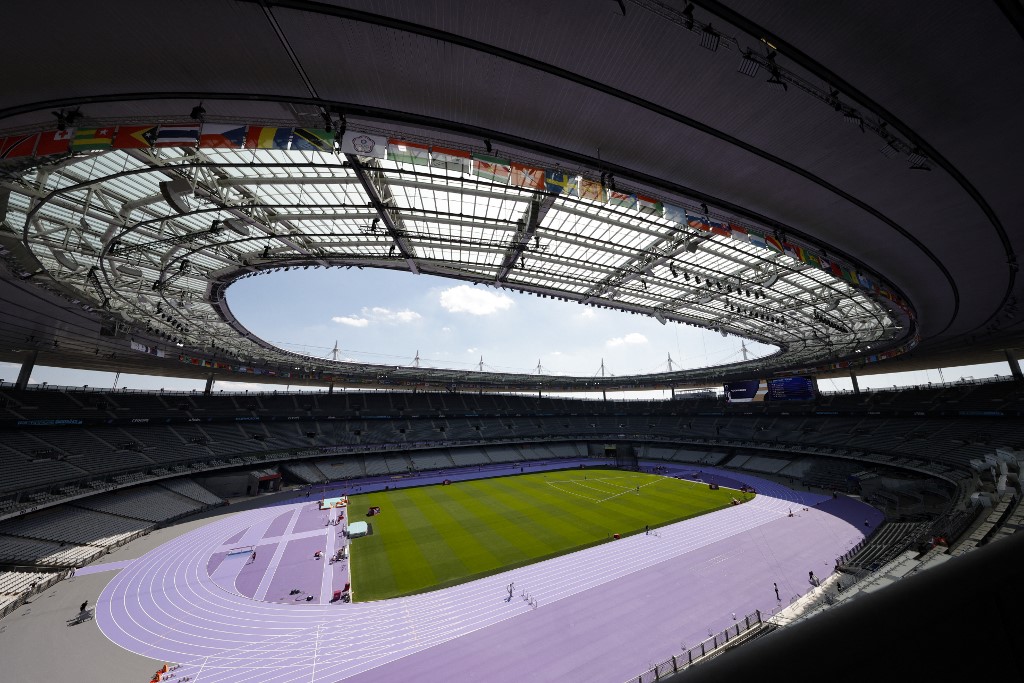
[(492, 168), (622, 200), (773, 242), (403, 152), (54, 142), (649, 205), (590, 189), (186, 135), (864, 281), (527, 177), (18, 146), (825, 264), (738, 232), (92, 138), (134, 137), (450, 159), (757, 240), (675, 214), (719, 228), (560, 182), (793, 251), (364, 145), (697, 222), (264, 137), (811, 259), (222, 136), (313, 139)]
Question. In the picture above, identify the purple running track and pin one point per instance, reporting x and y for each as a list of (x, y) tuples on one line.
[(604, 613)]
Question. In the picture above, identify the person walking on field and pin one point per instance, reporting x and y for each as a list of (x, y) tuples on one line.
[(776, 586)]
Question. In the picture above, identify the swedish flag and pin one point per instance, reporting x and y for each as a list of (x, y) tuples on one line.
[(559, 182)]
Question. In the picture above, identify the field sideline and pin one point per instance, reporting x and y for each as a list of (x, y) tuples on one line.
[(435, 536)]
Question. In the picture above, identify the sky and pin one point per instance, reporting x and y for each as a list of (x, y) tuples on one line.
[(389, 317)]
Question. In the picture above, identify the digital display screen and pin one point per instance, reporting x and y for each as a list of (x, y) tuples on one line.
[(779, 389), (791, 389), (746, 391)]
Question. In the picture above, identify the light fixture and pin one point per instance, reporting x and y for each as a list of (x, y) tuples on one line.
[(175, 191), (688, 16), (704, 209), (487, 146), (748, 65), (198, 113), (776, 81), (889, 150), (709, 38)]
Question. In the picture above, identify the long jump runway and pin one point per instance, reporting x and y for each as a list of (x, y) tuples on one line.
[(601, 614)]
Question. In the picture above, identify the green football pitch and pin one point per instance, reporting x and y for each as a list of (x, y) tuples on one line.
[(430, 537)]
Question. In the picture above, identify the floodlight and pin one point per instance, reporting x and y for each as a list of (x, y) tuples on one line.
[(889, 150), (709, 38), (748, 65), (776, 81)]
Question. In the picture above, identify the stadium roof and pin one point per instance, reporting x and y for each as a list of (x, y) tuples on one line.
[(822, 182)]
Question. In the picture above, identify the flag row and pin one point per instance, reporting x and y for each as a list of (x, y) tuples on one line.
[(495, 169)]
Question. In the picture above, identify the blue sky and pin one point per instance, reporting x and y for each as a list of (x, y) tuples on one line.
[(388, 317)]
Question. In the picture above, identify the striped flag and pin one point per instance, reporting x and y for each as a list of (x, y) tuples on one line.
[(649, 205), (186, 135), (92, 138), (757, 240), (738, 232), (134, 137), (591, 189), (449, 159), (263, 137), (54, 142), (222, 136), (719, 228), (527, 177), (403, 152), (622, 200), (492, 168), (560, 182), (793, 251), (773, 243), (313, 140), (364, 145), (18, 146), (697, 222)]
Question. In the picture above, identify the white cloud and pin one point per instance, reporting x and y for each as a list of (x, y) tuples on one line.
[(377, 315), (473, 300), (351, 320), (472, 350), (386, 315), (446, 329), (631, 338), (588, 313)]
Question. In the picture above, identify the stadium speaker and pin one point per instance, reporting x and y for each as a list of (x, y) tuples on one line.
[(237, 226), (174, 192)]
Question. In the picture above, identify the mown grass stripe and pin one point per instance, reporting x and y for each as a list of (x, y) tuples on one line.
[(431, 537)]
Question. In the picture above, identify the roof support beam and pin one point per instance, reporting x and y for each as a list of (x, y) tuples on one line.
[(378, 198)]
